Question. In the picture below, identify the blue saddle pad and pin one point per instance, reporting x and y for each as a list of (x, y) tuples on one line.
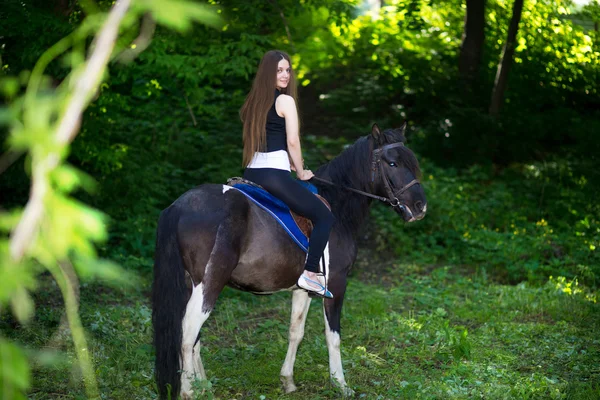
[(278, 209)]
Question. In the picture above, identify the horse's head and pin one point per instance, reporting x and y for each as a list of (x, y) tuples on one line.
[(395, 173)]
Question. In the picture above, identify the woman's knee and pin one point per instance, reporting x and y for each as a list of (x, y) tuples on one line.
[(326, 218)]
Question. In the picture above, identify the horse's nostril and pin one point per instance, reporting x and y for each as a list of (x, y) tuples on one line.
[(419, 206)]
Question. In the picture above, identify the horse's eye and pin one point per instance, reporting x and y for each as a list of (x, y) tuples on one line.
[(392, 164)]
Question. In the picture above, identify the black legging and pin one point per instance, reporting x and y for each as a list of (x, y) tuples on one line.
[(300, 200)]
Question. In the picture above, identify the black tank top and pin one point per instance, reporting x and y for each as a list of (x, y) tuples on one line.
[(276, 136)]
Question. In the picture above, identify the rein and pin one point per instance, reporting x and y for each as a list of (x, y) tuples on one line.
[(376, 168), (351, 189)]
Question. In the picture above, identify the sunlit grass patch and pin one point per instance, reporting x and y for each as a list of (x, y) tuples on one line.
[(439, 335)]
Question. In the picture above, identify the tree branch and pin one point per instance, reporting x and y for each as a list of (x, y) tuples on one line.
[(287, 28), (189, 108), (26, 231), (141, 42)]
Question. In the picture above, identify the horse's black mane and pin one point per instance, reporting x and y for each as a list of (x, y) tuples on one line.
[(352, 168)]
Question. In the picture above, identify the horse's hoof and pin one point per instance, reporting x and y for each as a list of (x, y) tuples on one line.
[(288, 384), (187, 395), (343, 387), (347, 392)]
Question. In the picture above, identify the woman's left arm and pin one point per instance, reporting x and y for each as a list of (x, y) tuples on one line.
[(287, 107)]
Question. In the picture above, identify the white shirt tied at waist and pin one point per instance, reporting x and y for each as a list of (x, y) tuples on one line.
[(274, 159)]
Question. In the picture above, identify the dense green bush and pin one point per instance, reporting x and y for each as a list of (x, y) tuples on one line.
[(525, 222), (168, 121)]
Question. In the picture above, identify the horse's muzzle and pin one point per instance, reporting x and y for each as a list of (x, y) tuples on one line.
[(408, 215), (422, 210)]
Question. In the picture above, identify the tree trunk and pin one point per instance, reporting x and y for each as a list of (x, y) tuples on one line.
[(63, 332), (472, 42), (506, 61)]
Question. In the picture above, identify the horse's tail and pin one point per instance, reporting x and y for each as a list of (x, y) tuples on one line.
[(169, 298)]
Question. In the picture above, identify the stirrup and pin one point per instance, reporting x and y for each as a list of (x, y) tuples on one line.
[(304, 283)]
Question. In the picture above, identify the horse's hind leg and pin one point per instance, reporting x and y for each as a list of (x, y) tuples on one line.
[(300, 305), (198, 366), (221, 262), (196, 313)]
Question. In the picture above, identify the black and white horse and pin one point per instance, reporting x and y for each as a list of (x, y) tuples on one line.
[(214, 236)]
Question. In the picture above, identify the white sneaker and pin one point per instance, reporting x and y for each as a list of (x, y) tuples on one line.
[(316, 286)]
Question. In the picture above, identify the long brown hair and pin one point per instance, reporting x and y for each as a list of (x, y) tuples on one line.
[(260, 99)]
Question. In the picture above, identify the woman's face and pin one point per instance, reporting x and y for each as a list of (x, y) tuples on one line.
[(283, 74)]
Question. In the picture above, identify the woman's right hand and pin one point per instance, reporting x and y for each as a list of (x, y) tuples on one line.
[(305, 175)]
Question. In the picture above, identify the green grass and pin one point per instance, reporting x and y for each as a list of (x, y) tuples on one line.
[(409, 331)]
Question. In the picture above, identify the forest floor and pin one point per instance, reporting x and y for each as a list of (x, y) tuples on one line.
[(408, 331)]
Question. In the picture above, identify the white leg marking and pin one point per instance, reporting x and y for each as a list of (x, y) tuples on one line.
[(336, 372), (300, 305), (325, 260), (226, 188), (192, 322), (198, 366)]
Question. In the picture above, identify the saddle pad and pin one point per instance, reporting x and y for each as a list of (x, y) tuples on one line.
[(278, 209)]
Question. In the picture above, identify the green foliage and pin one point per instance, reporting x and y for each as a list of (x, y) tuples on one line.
[(508, 197), (54, 228), (403, 65), (180, 14), (524, 222), (15, 375), (203, 388)]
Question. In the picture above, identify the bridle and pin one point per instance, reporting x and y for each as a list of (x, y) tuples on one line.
[(377, 169)]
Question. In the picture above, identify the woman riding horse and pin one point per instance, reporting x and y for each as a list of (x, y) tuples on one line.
[(213, 236), (270, 119)]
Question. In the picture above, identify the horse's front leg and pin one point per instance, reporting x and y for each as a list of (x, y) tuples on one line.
[(332, 312), (300, 305)]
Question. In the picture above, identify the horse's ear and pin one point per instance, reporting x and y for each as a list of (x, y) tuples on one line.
[(403, 127), (377, 135), (402, 131)]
